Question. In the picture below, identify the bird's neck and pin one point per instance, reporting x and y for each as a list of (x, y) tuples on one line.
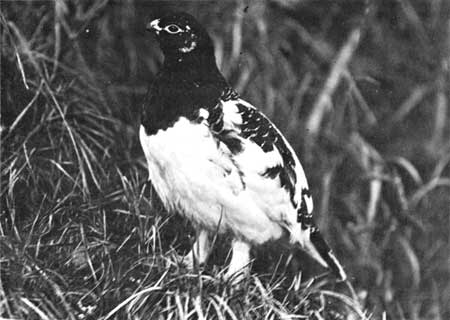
[(185, 84), (192, 66)]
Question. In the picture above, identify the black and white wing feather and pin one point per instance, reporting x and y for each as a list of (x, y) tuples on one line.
[(237, 124), (255, 144)]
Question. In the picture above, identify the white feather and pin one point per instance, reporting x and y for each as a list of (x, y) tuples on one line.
[(192, 175), (198, 179), (231, 116)]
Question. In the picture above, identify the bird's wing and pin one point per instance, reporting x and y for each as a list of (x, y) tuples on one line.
[(242, 129), (238, 125)]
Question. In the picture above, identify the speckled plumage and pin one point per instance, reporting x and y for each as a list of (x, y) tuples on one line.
[(216, 159)]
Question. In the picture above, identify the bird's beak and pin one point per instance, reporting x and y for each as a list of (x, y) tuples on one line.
[(154, 26)]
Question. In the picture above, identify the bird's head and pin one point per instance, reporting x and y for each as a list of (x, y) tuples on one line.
[(180, 33)]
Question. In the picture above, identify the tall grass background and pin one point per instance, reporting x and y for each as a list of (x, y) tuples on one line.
[(360, 89)]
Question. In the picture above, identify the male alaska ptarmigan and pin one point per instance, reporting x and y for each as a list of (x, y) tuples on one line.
[(216, 159)]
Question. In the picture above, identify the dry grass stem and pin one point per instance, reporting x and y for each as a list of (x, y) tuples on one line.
[(323, 102)]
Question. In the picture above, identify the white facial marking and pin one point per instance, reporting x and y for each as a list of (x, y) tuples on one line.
[(190, 48), (173, 29), (155, 25)]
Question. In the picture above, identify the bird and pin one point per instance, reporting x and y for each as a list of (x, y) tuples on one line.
[(217, 160)]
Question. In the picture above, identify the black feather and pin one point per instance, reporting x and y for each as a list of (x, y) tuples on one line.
[(326, 253), (187, 82), (259, 129)]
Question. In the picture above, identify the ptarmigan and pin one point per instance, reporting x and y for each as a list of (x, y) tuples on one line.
[(217, 160)]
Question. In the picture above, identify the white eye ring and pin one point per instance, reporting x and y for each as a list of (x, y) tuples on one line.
[(173, 28)]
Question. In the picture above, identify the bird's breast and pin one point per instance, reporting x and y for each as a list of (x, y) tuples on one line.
[(194, 177), (187, 169)]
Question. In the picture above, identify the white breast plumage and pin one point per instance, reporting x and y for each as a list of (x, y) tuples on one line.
[(195, 177)]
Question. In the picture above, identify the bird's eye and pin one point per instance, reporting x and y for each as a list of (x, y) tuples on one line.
[(173, 28)]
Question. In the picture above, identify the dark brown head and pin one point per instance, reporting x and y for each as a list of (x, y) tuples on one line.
[(180, 33)]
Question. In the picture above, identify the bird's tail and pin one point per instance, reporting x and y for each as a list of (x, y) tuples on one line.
[(315, 245), (327, 254)]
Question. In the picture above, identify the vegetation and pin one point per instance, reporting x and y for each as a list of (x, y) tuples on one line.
[(361, 90)]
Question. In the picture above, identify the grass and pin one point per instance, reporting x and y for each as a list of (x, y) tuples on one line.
[(361, 91)]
